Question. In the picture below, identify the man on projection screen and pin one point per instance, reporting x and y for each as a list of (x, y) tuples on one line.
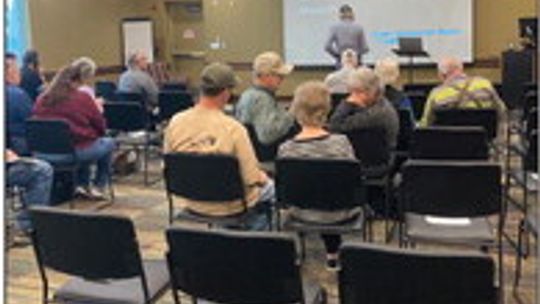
[(346, 34)]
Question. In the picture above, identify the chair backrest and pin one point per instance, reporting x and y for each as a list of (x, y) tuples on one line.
[(451, 188), (377, 274), (486, 118), (125, 116), (105, 89), (530, 162), (172, 102), (406, 128), (123, 96), (92, 246), (264, 152), (425, 88), (174, 86), (441, 142), (318, 184), (47, 136), (370, 146), (234, 267), (418, 102), (203, 177)]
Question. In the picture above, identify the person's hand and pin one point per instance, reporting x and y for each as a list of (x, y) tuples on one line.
[(11, 156), (264, 177), (99, 103)]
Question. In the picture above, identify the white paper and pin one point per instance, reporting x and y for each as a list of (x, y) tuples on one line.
[(450, 221)]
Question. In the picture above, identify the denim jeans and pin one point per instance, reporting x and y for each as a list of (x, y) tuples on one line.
[(258, 219), (35, 178), (100, 152)]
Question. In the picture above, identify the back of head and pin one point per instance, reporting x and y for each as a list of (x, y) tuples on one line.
[(311, 104), (85, 68), (449, 66), (349, 58), (365, 80), (270, 63), (388, 70), (137, 60), (61, 86), (31, 59), (346, 12), (217, 77)]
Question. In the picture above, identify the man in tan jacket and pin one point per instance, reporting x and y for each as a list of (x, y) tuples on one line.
[(206, 129)]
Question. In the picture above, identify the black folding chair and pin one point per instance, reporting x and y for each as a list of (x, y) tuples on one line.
[(323, 186), (101, 252), (451, 202), (424, 88), (51, 141), (174, 86), (418, 101), (129, 122), (123, 96), (172, 102), (105, 89), (456, 143), (211, 178), (265, 153), (486, 118), (376, 274), (237, 267)]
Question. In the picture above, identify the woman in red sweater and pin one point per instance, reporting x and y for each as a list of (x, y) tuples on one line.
[(63, 101)]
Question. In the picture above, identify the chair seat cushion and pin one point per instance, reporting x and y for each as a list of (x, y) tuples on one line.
[(477, 231), (126, 291), (290, 222)]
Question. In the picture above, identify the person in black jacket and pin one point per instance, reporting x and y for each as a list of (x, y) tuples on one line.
[(31, 78)]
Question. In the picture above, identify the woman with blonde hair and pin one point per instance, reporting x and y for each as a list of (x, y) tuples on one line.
[(388, 71), (62, 100), (310, 107)]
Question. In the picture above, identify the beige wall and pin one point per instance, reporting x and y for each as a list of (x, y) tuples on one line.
[(63, 29)]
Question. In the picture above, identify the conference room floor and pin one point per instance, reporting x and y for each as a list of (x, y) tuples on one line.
[(147, 207)]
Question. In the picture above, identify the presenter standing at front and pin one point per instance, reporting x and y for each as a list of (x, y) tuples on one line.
[(346, 34)]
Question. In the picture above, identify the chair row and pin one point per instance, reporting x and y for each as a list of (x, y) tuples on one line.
[(239, 267), (107, 89)]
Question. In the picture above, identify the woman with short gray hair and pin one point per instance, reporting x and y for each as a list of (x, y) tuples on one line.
[(310, 107), (388, 70)]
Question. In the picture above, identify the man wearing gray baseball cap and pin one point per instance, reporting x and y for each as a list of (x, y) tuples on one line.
[(206, 129)]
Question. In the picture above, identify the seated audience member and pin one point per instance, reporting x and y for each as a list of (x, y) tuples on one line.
[(337, 81), (62, 100), (34, 177), (206, 129), (366, 107), (258, 106), (388, 71), (19, 107), (137, 80), (86, 68), (310, 107), (458, 90), (31, 77)]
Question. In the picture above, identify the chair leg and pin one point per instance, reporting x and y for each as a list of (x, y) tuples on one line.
[(146, 149), (171, 209), (519, 255), (175, 296), (302, 245)]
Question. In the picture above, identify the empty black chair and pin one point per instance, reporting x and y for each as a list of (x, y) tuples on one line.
[(105, 89), (174, 86), (265, 153), (236, 267), (211, 178), (320, 185), (172, 102), (486, 118), (51, 140), (451, 202), (101, 252), (441, 142), (376, 274), (127, 97), (130, 122)]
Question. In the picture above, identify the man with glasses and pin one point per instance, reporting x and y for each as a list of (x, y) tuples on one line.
[(258, 105), (206, 129)]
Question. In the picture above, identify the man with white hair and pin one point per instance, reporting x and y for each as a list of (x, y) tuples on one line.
[(337, 81), (460, 91), (137, 80), (258, 106), (346, 34), (366, 107)]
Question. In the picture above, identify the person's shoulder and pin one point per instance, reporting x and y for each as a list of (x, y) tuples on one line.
[(15, 92)]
